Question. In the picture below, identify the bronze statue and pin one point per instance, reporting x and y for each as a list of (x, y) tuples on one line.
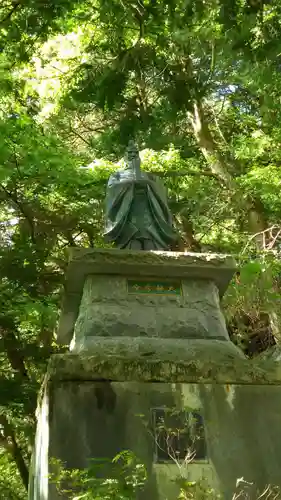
[(137, 215)]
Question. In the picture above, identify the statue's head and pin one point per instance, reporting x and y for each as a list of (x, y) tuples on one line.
[(132, 156)]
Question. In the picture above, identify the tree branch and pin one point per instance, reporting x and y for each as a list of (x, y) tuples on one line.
[(183, 173), (77, 134), (13, 197), (12, 346), (171, 173)]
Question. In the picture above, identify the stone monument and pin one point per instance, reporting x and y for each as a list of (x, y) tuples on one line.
[(146, 336)]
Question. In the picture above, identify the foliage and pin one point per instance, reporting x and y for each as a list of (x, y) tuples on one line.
[(191, 490), (11, 487), (126, 477)]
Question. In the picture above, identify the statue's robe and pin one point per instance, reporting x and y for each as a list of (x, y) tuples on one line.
[(137, 209)]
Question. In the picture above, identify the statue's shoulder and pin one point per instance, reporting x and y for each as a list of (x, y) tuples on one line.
[(153, 177), (115, 176), (119, 177)]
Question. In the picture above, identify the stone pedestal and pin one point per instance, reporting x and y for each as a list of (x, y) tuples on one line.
[(82, 415), (146, 335), (120, 298)]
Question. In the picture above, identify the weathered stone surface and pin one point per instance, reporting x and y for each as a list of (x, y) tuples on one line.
[(107, 309), (106, 258), (213, 268), (272, 354), (81, 420), (244, 438), (207, 363), (166, 349), (114, 289)]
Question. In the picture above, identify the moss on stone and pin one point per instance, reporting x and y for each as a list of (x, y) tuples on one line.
[(201, 371), (130, 256)]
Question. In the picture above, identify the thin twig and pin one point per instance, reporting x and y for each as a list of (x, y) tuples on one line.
[(261, 233), (271, 245)]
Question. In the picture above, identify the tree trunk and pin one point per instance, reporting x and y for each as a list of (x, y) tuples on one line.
[(221, 168), (191, 243), (209, 148), (8, 440), (12, 346)]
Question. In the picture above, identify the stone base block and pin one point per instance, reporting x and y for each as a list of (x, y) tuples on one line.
[(165, 349), (96, 406)]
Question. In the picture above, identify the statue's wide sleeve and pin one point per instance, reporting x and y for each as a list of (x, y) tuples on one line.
[(159, 207), (117, 207)]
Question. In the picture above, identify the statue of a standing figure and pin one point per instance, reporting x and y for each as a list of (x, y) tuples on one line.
[(137, 215)]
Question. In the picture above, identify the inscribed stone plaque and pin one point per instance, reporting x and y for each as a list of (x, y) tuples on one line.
[(158, 287)]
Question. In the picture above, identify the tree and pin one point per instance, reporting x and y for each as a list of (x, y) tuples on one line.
[(198, 84)]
